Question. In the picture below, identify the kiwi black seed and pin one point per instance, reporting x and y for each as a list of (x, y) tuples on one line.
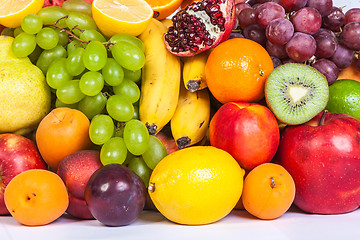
[(296, 93)]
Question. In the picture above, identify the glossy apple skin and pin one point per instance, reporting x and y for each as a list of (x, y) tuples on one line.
[(324, 162), (75, 170), (115, 195), (17, 154), (248, 131)]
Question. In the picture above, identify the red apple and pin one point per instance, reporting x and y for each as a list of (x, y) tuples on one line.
[(75, 170), (248, 131), (323, 157), (17, 154)]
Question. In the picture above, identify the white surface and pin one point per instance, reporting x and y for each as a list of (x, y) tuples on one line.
[(294, 224)]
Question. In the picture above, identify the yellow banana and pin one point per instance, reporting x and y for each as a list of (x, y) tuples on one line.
[(161, 76), (194, 71), (191, 118)]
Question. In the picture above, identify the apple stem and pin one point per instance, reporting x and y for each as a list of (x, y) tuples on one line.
[(151, 187), (272, 185), (322, 119)]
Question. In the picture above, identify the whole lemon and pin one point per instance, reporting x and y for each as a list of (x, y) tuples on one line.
[(196, 185), (25, 97)]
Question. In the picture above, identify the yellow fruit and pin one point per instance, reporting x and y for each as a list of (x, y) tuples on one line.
[(6, 53), (196, 185), (12, 12), (121, 16), (164, 8)]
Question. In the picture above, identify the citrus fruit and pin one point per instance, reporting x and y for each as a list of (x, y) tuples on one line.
[(121, 16), (196, 185), (12, 12), (236, 70), (351, 72), (269, 191), (187, 2), (344, 97), (163, 8), (36, 197)]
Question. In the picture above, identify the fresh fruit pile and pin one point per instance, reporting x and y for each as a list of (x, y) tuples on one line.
[(225, 105)]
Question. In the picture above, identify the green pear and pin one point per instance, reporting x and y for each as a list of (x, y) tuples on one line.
[(25, 97)]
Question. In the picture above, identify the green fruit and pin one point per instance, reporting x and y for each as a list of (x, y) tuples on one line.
[(344, 97), (296, 93), (6, 53), (25, 97)]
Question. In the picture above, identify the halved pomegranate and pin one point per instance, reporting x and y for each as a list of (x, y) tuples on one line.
[(200, 26)]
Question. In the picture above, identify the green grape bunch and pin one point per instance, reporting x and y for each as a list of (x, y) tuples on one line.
[(97, 75)]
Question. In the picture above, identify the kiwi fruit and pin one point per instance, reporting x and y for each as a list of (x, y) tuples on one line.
[(296, 93)]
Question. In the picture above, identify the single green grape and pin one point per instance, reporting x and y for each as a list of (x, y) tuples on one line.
[(91, 83), (76, 21), (48, 56), (101, 129), (113, 151), (34, 56), (23, 44), (80, 6), (92, 105), (134, 76), (139, 167), (119, 108), (74, 61), (92, 35), (155, 152), (73, 45), (31, 24), (95, 56), (57, 73), (47, 38), (128, 38), (69, 92), (128, 55), (17, 31), (136, 112), (63, 37), (59, 104), (128, 89), (52, 14), (113, 73), (136, 137)]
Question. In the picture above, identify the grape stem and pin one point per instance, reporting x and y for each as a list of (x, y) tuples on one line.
[(70, 31)]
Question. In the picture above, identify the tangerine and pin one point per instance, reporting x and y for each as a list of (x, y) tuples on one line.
[(164, 8), (236, 70), (269, 191)]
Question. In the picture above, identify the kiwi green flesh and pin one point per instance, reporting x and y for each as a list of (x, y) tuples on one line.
[(296, 93)]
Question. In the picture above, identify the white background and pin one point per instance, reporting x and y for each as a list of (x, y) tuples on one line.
[(238, 225)]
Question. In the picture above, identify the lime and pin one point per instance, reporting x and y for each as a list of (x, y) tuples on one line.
[(344, 97), (196, 185)]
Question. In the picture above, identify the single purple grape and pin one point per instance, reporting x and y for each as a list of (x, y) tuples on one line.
[(246, 17), (279, 31), (306, 20), (255, 33), (326, 43), (276, 62), (267, 12), (323, 6), (350, 35), (275, 50), (334, 20), (293, 5), (241, 6), (342, 57), (301, 47), (352, 15), (236, 35), (328, 69)]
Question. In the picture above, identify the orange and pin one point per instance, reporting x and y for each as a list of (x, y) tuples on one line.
[(36, 197), (187, 2), (351, 72), (164, 8), (12, 12), (121, 16), (62, 132), (268, 192), (236, 70)]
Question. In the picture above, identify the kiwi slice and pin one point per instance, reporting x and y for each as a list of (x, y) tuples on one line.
[(296, 93)]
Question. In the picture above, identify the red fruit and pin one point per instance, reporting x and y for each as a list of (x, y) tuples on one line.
[(323, 157), (200, 26), (248, 131), (48, 3)]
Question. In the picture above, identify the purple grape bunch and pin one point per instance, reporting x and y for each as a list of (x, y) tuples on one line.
[(307, 31)]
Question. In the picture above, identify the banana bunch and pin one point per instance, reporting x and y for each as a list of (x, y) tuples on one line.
[(194, 71), (190, 121), (161, 76)]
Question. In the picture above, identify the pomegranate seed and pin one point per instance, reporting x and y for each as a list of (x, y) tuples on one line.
[(194, 48)]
